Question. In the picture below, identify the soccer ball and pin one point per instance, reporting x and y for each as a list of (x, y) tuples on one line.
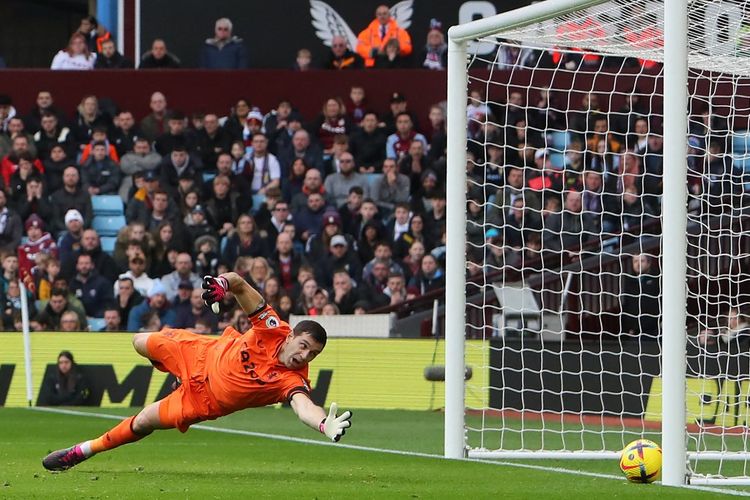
[(640, 461)]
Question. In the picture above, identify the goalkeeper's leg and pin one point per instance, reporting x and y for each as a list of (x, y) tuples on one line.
[(128, 431)]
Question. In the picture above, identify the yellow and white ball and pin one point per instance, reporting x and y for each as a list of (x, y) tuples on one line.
[(640, 461)]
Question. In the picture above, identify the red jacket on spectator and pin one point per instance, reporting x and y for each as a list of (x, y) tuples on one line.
[(8, 167)]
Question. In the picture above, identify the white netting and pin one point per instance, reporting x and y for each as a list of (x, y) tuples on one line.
[(564, 223)]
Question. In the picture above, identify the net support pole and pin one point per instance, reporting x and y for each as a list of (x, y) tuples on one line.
[(455, 259), (26, 343), (674, 242)]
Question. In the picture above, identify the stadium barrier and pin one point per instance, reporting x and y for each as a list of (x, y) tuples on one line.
[(349, 325), (360, 373)]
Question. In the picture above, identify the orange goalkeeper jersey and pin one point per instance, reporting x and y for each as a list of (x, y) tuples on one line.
[(243, 370)]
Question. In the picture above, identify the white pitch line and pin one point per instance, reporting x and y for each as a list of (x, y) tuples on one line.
[(280, 437)]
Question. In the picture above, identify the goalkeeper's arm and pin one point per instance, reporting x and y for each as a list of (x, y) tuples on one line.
[(331, 425)]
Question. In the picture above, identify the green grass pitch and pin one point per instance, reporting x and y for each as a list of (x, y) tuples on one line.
[(204, 464)]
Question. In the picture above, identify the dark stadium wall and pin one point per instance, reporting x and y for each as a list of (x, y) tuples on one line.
[(217, 91), (275, 31)]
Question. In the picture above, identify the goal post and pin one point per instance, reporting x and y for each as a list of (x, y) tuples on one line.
[(567, 377)]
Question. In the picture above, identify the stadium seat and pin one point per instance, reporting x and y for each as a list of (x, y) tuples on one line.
[(95, 324), (208, 176), (40, 304), (223, 244), (557, 140), (372, 180), (108, 244), (108, 225), (107, 204)]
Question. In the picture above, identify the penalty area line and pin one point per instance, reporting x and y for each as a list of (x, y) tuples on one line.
[(280, 437)]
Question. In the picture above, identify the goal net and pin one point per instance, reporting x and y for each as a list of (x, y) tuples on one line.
[(566, 240)]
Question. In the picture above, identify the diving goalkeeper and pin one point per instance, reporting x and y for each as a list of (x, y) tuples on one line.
[(265, 365)]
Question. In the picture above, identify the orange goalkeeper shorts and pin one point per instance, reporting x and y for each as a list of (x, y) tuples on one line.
[(183, 354)]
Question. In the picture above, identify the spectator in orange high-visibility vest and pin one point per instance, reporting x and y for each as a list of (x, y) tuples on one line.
[(373, 39)]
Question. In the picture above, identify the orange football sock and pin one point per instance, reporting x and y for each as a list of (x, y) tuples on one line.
[(119, 435)]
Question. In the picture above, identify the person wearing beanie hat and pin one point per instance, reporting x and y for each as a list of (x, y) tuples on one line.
[(157, 303)]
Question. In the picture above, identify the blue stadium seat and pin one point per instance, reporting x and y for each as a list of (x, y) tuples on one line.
[(108, 225), (208, 176), (558, 140), (108, 244), (372, 180), (107, 204), (95, 324)]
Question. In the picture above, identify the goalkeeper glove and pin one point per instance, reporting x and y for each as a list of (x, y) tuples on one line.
[(215, 291), (334, 427)]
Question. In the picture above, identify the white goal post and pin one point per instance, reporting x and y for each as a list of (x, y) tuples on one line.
[(670, 100)]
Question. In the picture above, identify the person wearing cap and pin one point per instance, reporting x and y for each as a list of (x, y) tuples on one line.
[(339, 257), (198, 225), (38, 242), (183, 272), (253, 125), (157, 303), (397, 105), (70, 196), (176, 134), (373, 39), (93, 290), (337, 185), (341, 56), (224, 50), (317, 246)]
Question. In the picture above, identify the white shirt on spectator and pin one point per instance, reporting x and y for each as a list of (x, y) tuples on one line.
[(142, 284), (259, 167), (63, 60)]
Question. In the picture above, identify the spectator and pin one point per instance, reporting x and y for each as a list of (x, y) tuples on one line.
[(397, 105), (304, 302), (384, 254), (337, 185), (159, 57), (438, 136), (339, 257), (340, 146), (301, 147), (308, 219), (368, 144), (11, 228), (372, 40), (429, 278), (11, 315), (7, 111), (370, 235), (178, 164), (175, 136), (303, 62), (344, 295), (223, 206), (331, 122), (25, 171), (94, 33), (212, 140), (155, 123), (357, 105), (259, 272), (391, 57), (376, 282), (137, 274), (183, 272), (20, 151), (100, 174), (640, 299), (188, 317), (368, 213), (156, 304), (571, 228), (313, 183), (318, 244), (66, 386), (76, 56), (341, 56), (110, 58), (349, 211), (70, 197), (435, 218), (272, 217), (263, 168), (141, 159), (125, 133), (37, 242), (396, 289), (207, 256), (54, 166), (235, 122), (50, 317), (52, 134), (285, 261), (737, 329), (10, 270), (239, 181), (399, 224), (330, 310), (112, 319), (34, 201), (435, 53), (413, 260), (126, 296), (87, 118), (224, 51), (44, 103), (392, 188), (397, 144), (244, 241), (198, 225), (92, 290)]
